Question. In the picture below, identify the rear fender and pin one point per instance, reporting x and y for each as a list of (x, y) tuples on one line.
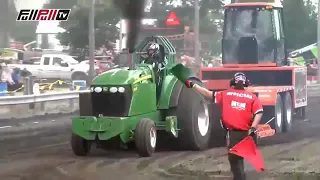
[(170, 91)]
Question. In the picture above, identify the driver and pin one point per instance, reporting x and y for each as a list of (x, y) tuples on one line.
[(155, 56), (157, 59), (153, 50)]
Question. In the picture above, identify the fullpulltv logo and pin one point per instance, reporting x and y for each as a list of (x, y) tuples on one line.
[(43, 15)]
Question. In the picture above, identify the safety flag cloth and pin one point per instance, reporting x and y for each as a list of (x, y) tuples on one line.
[(248, 150), (181, 72)]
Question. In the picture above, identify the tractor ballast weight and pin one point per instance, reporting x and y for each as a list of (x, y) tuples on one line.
[(128, 106)]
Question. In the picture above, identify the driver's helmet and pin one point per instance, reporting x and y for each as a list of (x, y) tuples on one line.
[(153, 50)]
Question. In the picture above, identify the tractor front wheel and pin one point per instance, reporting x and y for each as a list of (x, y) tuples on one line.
[(145, 137), (80, 146)]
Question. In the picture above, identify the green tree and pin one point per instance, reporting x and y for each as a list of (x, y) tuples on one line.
[(300, 23), (24, 31), (77, 31), (20, 31)]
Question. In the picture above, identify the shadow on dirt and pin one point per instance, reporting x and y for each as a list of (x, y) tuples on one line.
[(296, 176), (180, 171)]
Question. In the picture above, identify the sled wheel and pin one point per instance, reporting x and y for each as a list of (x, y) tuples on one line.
[(194, 122), (287, 112), (79, 145), (145, 137), (278, 114)]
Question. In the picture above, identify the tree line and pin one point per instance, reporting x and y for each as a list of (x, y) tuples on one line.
[(300, 21)]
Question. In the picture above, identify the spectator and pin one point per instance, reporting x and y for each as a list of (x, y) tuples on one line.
[(6, 76), (16, 75), (188, 41), (0, 72), (25, 73)]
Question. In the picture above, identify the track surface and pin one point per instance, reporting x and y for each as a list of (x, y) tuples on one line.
[(39, 150)]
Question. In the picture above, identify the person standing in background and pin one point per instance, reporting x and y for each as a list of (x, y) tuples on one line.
[(6, 75), (188, 41)]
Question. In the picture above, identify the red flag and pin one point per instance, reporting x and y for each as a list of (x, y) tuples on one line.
[(249, 151)]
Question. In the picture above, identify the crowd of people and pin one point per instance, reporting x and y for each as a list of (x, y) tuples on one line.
[(11, 77)]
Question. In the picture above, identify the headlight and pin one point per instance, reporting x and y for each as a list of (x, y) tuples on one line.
[(121, 89), (113, 89), (98, 89)]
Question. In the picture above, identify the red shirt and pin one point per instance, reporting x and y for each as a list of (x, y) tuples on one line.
[(238, 108)]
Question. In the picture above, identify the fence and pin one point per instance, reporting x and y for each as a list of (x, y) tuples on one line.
[(29, 99), (33, 103), (28, 86)]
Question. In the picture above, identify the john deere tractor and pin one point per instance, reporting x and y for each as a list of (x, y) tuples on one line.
[(141, 107)]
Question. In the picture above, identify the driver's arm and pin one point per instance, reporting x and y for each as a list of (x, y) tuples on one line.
[(163, 64)]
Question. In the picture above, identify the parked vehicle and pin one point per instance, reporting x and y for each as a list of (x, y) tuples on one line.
[(101, 64), (33, 60), (56, 66)]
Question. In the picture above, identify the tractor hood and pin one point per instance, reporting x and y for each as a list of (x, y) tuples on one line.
[(120, 76)]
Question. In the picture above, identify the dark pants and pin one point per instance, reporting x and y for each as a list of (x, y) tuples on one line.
[(236, 162), (12, 87)]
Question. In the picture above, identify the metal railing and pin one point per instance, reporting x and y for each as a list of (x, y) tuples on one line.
[(29, 99)]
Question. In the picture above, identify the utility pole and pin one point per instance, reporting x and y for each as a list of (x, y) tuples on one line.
[(318, 43), (91, 41), (120, 35), (4, 32), (196, 33)]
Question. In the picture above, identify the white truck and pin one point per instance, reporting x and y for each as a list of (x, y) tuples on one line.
[(56, 66)]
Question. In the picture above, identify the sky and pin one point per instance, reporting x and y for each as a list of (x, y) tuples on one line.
[(29, 4)]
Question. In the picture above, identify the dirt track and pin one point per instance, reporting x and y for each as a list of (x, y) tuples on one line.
[(39, 150)]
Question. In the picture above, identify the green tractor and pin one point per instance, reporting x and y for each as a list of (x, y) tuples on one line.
[(128, 107)]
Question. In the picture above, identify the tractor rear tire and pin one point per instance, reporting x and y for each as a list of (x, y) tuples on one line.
[(194, 122), (278, 114), (145, 137), (79, 145), (287, 112)]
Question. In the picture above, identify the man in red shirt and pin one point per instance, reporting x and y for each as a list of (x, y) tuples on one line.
[(241, 113)]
